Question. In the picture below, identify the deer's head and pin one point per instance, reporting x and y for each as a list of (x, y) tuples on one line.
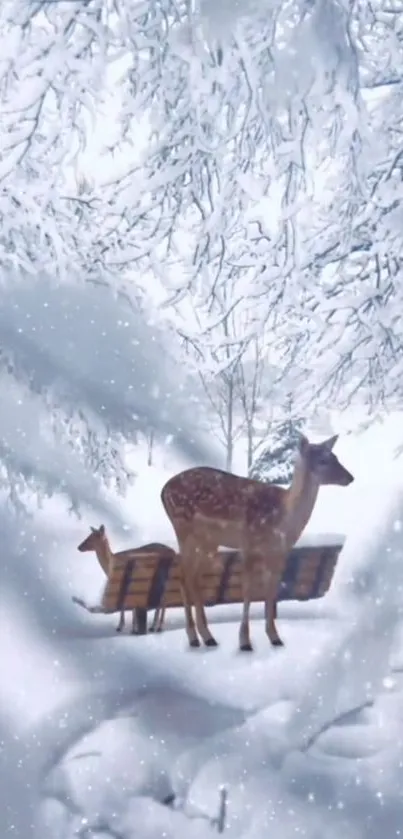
[(93, 541), (323, 463)]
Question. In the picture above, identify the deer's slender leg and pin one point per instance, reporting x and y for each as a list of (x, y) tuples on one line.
[(134, 623), (270, 605), (244, 632), (202, 554), (187, 596), (199, 623), (154, 621), (121, 623), (209, 558), (201, 618), (141, 621), (186, 606), (158, 620)]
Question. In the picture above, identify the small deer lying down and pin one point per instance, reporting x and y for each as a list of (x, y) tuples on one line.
[(209, 508), (98, 542)]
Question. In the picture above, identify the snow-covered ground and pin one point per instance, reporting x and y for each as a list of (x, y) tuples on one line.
[(101, 733)]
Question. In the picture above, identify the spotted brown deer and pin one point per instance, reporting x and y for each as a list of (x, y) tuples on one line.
[(209, 508), (98, 542)]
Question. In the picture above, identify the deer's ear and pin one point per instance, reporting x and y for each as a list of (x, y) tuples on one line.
[(93, 529), (331, 442), (303, 444), (102, 530)]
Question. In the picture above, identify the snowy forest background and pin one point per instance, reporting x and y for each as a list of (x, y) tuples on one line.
[(201, 241), (205, 197)]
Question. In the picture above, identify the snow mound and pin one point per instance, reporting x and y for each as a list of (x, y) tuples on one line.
[(349, 670)]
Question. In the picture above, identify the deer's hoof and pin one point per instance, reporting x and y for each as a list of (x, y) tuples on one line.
[(277, 642), (246, 648), (151, 629), (195, 643), (159, 629), (118, 629), (211, 642)]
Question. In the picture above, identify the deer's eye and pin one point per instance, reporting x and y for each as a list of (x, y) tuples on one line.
[(324, 458)]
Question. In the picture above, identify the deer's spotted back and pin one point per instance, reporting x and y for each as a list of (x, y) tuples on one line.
[(213, 494)]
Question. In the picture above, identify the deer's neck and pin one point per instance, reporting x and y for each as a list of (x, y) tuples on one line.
[(104, 556), (300, 501)]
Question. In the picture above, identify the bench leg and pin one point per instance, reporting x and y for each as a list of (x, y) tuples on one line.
[(141, 620)]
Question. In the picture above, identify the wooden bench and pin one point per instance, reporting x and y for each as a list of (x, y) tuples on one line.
[(144, 584)]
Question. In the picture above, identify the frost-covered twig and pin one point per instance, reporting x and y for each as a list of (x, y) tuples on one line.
[(218, 821), (222, 812), (345, 717)]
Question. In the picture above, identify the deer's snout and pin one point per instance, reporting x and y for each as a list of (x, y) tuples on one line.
[(347, 478)]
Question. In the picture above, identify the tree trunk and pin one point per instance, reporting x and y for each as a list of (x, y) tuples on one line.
[(249, 451), (150, 443), (229, 455), (230, 426)]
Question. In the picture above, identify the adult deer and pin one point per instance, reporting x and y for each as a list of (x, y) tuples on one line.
[(209, 508), (98, 542)]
